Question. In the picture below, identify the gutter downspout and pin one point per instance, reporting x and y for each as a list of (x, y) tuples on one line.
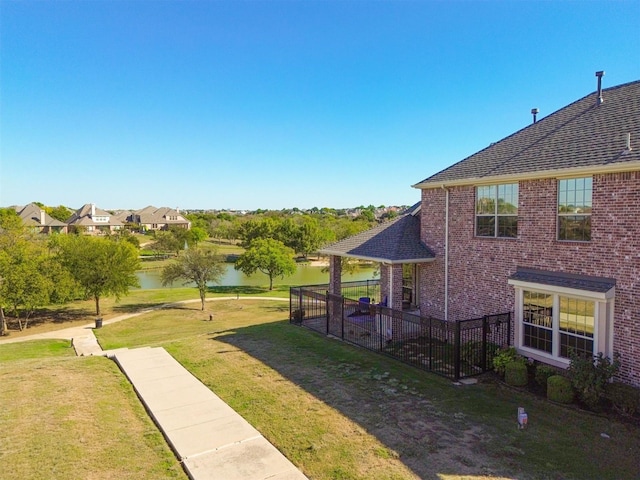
[(446, 254)]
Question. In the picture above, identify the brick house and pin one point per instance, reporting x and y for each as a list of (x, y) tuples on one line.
[(543, 223)]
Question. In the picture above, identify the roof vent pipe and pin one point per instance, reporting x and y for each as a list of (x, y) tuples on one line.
[(628, 142), (534, 112), (600, 74)]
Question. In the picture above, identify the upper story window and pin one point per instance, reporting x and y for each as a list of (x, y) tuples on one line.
[(497, 210), (574, 209)]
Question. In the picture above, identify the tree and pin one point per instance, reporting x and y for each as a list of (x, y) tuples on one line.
[(197, 234), (60, 212), (258, 229), (29, 276), (101, 266), (197, 266), (309, 237), (268, 256), (166, 242)]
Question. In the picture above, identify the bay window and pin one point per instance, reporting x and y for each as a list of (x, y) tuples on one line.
[(557, 314)]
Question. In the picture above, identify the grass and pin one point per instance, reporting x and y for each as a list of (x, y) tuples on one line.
[(342, 412), (74, 417), (56, 317), (36, 349), (338, 412)]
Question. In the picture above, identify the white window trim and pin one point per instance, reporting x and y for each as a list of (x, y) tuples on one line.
[(603, 320)]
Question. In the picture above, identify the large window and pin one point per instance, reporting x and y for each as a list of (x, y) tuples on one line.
[(497, 211), (574, 209), (557, 325)]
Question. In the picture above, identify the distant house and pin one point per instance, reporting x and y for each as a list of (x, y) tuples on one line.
[(152, 218), (33, 216), (93, 220), (544, 223)]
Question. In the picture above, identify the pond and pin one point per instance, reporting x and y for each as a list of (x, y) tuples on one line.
[(304, 275)]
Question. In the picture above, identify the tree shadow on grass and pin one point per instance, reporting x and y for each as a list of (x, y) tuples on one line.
[(44, 316), (245, 290)]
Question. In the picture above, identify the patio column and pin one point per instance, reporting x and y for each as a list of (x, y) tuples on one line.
[(335, 275), (391, 285)]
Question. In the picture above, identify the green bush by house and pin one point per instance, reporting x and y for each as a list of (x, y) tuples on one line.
[(559, 389)]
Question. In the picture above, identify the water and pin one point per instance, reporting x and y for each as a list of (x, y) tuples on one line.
[(304, 275)]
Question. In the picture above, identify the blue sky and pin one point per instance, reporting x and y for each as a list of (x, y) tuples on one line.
[(278, 104)]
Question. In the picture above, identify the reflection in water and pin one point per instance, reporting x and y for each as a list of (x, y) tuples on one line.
[(305, 275)]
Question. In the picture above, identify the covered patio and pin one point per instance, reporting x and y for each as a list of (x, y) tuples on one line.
[(397, 247)]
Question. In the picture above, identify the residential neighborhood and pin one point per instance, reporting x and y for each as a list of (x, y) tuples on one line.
[(91, 219), (320, 240)]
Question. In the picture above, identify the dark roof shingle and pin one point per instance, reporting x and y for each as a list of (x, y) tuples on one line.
[(563, 279), (582, 134), (397, 241)]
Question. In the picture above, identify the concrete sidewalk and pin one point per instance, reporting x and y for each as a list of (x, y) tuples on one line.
[(210, 438)]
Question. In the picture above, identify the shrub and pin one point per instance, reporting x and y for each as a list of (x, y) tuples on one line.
[(590, 375), (543, 372), (505, 356), (515, 373), (559, 389), (624, 399), (471, 353), (297, 315)]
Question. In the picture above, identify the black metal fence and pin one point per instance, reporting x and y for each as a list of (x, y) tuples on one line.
[(452, 349)]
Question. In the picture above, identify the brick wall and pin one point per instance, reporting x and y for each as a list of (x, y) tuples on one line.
[(479, 267)]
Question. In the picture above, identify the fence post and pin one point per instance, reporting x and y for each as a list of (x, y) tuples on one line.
[(485, 332), (456, 352), (300, 300), (327, 313), (342, 319), (430, 343)]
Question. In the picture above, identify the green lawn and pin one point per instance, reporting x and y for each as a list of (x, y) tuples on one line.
[(337, 411), (68, 417), (340, 412)]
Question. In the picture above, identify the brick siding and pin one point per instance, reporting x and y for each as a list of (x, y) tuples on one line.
[(479, 267)]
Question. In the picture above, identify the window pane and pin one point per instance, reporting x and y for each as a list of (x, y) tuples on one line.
[(577, 316), (508, 199), (574, 227), (508, 227), (538, 309), (486, 226), (538, 338), (580, 346), (486, 200)]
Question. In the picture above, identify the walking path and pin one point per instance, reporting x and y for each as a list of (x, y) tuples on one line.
[(210, 438)]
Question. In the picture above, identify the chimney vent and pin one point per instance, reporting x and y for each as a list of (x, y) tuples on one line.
[(534, 112), (600, 74), (43, 218)]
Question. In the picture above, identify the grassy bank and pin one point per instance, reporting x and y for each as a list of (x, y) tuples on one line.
[(74, 417), (56, 317), (340, 412)]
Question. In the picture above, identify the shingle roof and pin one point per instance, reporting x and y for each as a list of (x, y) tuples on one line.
[(582, 134), (31, 215), (396, 241), (563, 279)]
